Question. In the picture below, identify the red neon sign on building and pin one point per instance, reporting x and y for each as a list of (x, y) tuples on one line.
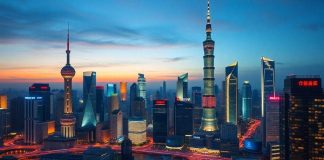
[(274, 98), (308, 83), (160, 102)]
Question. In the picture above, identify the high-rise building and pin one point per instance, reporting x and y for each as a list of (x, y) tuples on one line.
[(271, 127), (246, 101), (301, 118), (111, 89), (141, 86), (138, 109), (4, 116), (164, 91), (267, 81), (132, 97), (126, 149), (42, 90), (33, 107), (137, 130), (196, 96), (160, 121), (183, 118), (116, 125), (100, 112), (3, 102), (209, 120), (16, 113), (123, 91), (4, 122), (68, 119), (231, 83), (182, 87), (89, 99)]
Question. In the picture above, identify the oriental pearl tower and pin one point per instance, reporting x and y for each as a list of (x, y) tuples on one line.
[(68, 72)]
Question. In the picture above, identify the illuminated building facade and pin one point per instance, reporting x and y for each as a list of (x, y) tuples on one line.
[(116, 125), (160, 120), (183, 118), (301, 118), (267, 81), (182, 87), (42, 90), (3, 102), (271, 127), (4, 116), (209, 120), (246, 101), (231, 85), (123, 91), (31, 116), (111, 89), (137, 130), (89, 99), (141, 86), (100, 110), (68, 119)]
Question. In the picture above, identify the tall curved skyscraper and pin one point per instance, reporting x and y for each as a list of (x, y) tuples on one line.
[(209, 120), (68, 119)]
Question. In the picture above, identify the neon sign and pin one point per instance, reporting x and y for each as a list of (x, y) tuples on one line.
[(308, 83), (159, 102), (274, 98)]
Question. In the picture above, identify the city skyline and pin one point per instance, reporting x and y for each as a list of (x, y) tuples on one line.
[(155, 37)]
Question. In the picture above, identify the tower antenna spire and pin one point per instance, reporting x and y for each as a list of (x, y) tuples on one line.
[(68, 46), (208, 24)]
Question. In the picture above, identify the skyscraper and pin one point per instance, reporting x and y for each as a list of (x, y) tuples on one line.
[(89, 99), (183, 118), (246, 101), (16, 113), (164, 92), (182, 87), (160, 120), (231, 83), (267, 91), (68, 119), (42, 90), (141, 86), (301, 118), (123, 91), (209, 120), (132, 97), (111, 89), (267, 81), (32, 115), (3, 102), (196, 96), (100, 113)]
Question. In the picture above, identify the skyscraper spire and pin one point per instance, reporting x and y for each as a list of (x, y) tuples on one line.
[(208, 25), (68, 47)]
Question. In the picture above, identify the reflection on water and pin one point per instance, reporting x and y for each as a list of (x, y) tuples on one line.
[(154, 157)]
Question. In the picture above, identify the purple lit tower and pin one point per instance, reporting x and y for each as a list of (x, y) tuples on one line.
[(209, 120), (68, 119)]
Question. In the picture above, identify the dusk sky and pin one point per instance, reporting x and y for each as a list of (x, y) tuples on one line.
[(160, 38)]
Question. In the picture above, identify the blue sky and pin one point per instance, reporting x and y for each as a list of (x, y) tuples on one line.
[(160, 38)]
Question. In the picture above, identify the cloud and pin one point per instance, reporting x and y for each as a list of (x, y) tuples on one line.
[(48, 24), (174, 59)]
